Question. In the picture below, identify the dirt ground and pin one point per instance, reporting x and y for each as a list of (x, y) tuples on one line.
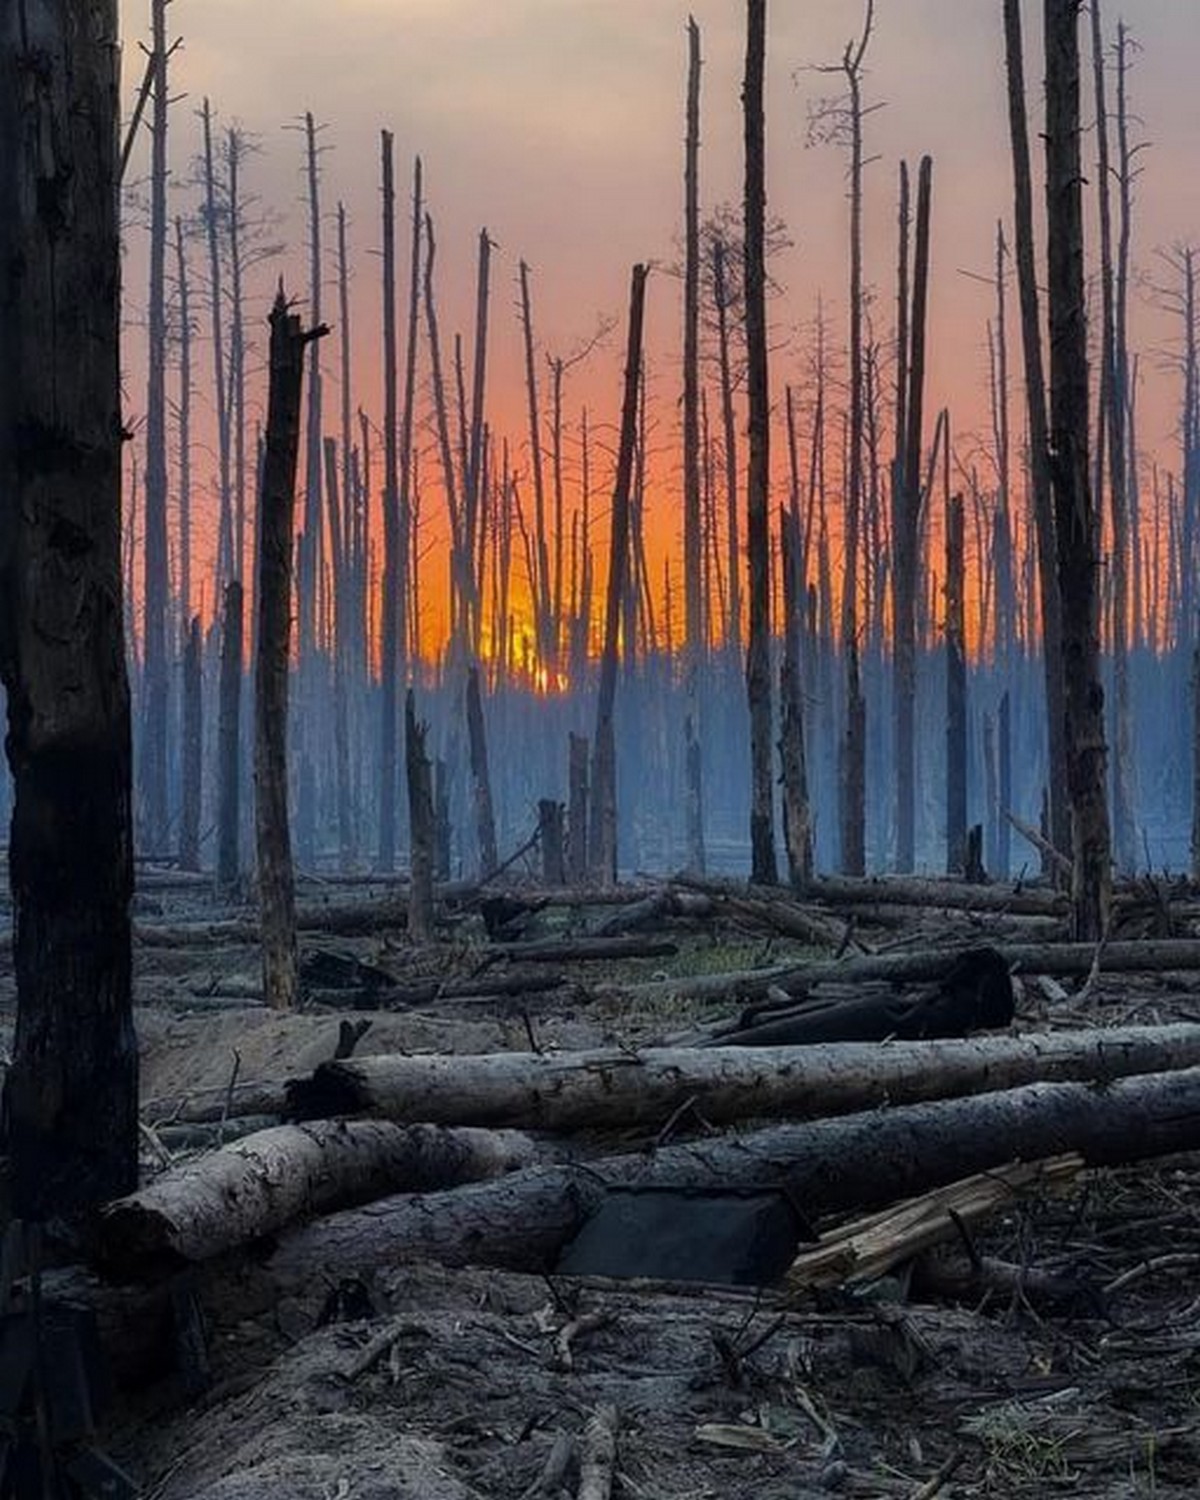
[(442, 1385)]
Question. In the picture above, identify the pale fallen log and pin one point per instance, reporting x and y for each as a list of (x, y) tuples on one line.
[(259, 1185), (858, 1162), (618, 1088)]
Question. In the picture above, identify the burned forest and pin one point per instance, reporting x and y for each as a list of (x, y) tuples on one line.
[(600, 826)]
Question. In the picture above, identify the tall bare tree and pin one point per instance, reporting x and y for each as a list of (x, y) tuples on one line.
[(758, 655), (71, 1090), (277, 503), (1038, 422), (1076, 521), (603, 842), (155, 579)]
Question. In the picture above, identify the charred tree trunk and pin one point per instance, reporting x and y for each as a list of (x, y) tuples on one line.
[(156, 583), (603, 842), (184, 427), (577, 810), (758, 655), (550, 836), (339, 601), (797, 815), (193, 744), (852, 769), (227, 569), (906, 528), (277, 503), (421, 820), (393, 581), (1077, 531), (71, 1091), (1111, 422), (485, 818), (1039, 436), (956, 693), (229, 739), (692, 602)]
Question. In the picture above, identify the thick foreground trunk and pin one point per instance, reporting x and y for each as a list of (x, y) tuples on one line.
[(858, 1162), (602, 1089), (264, 1182)]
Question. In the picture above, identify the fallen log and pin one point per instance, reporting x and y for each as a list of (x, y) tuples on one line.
[(1148, 956), (975, 994), (859, 1162), (581, 950), (909, 890), (615, 1088), (258, 1185)]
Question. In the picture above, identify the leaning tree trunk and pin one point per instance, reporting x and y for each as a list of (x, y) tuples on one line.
[(1076, 526), (277, 506), (71, 1092), (603, 842), (758, 543)]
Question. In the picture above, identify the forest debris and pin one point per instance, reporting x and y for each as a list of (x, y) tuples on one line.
[(598, 1458), (858, 1162), (554, 1470), (732, 1435), (869, 1247), (577, 1328)]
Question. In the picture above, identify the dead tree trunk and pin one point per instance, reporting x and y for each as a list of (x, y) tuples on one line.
[(193, 744), (71, 1091), (339, 625), (277, 503), (1077, 531), (421, 831), (758, 655), (156, 583), (390, 635), (184, 426), (1039, 438), (956, 693), (852, 771), (229, 739), (797, 815), (603, 842), (1111, 422), (693, 573), (577, 810), (906, 528), (485, 818), (550, 836), (227, 569)]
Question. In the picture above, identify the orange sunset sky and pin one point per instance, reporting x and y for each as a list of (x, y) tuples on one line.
[(558, 125)]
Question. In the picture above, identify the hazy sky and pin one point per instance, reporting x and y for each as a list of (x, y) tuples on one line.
[(558, 125)]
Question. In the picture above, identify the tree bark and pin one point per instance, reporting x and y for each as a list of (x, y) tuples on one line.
[(577, 809), (277, 504), (71, 1092), (758, 655), (797, 814), (603, 842), (1039, 437), (550, 836), (906, 529), (229, 739), (421, 821), (859, 1162), (485, 818), (956, 694), (266, 1181), (1076, 522), (193, 744), (619, 1089), (155, 579)]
